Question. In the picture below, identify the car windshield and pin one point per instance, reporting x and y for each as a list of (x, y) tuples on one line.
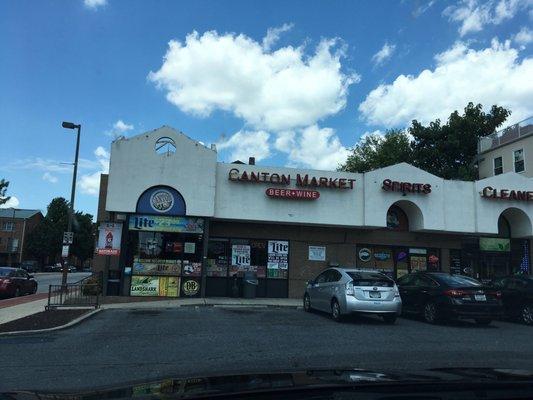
[(457, 280), (370, 279), (205, 187)]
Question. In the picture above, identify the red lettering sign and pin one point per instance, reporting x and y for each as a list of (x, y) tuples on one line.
[(292, 194), (405, 187), (505, 194)]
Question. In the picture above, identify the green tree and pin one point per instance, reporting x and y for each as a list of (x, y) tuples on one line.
[(84, 236), (449, 150), (376, 151), (46, 239), (3, 188)]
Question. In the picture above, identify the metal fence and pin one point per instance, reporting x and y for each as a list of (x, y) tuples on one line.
[(506, 135), (73, 295)]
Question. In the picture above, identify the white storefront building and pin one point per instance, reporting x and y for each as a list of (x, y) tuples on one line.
[(192, 225)]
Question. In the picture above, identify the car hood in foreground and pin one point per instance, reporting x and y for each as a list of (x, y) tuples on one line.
[(261, 383)]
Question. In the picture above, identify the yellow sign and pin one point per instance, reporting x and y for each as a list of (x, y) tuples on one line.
[(168, 286)]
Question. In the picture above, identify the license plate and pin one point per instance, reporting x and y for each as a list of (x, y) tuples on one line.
[(375, 295), (480, 297)]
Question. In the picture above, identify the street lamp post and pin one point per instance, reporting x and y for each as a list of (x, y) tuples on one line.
[(70, 125)]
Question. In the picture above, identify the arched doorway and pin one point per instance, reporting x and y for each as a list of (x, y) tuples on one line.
[(508, 252), (398, 257)]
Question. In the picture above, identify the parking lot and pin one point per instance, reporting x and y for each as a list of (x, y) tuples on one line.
[(118, 346)]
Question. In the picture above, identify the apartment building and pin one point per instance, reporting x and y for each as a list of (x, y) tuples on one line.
[(509, 150), (15, 226)]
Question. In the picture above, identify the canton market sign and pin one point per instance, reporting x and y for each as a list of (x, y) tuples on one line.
[(304, 181), (506, 194), (389, 185)]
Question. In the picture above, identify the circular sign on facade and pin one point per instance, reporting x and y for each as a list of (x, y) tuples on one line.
[(161, 200), (190, 287), (365, 254)]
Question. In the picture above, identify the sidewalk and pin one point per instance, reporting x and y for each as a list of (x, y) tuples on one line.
[(206, 302), (16, 311)]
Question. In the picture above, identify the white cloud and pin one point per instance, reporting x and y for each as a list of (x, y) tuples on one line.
[(524, 36), (488, 76), (90, 183), (473, 15), (119, 128), (94, 4), (384, 54), (273, 35), (246, 144), (47, 176), (422, 8), (49, 165), (318, 148), (12, 202), (285, 141), (272, 91)]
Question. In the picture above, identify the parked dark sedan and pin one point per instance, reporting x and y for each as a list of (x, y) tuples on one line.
[(440, 296), (517, 296), (16, 282)]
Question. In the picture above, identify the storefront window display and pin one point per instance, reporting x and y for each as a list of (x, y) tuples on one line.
[(397, 261), (165, 263), (231, 258)]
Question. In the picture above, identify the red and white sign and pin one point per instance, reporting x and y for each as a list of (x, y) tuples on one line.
[(295, 194), (109, 236)]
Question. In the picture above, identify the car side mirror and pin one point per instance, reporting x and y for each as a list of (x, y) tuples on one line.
[(30, 276)]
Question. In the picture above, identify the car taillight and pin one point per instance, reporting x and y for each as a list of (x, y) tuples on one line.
[(349, 288), (456, 293), (396, 291)]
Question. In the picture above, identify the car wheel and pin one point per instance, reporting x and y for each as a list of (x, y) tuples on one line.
[(336, 311), (430, 313), (34, 290), (483, 321), (527, 314), (307, 303), (389, 318)]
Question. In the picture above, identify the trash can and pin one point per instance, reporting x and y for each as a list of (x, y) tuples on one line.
[(250, 284)]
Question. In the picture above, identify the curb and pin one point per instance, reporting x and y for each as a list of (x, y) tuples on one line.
[(55, 328)]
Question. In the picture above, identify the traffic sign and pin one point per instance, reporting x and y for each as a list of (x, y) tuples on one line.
[(68, 237), (64, 251)]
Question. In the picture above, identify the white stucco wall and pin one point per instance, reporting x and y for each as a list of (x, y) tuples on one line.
[(135, 167), (488, 210), (247, 201), (452, 206)]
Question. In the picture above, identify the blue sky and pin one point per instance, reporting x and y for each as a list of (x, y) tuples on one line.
[(292, 82)]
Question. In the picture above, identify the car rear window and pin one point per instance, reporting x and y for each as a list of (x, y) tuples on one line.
[(4, 271), (458, 280), (370, 279)]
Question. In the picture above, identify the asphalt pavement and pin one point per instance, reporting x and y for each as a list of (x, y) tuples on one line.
[(124, 346), (44, 279)]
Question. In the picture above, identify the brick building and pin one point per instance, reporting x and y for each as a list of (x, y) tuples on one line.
[(15, 226)]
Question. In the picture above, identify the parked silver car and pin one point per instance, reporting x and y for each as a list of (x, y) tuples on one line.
[(342, 291)]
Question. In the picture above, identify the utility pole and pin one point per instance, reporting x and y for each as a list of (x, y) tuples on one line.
[(70, 125)]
